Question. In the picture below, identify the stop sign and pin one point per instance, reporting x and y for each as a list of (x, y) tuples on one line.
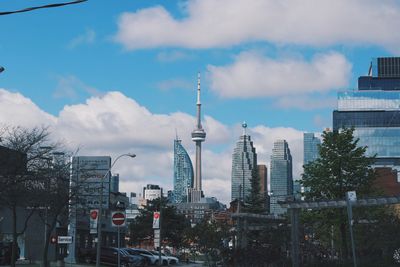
[(118, 218)]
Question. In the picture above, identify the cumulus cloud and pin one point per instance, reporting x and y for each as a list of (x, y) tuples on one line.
[(15, 109), (210, 23), (253, 75), (113, 124)]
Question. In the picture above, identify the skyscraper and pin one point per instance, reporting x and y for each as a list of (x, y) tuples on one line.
[(183, 173), (198, 136), (310, 145), (281, 175), (244, 161), (262, 173), (373, 111)]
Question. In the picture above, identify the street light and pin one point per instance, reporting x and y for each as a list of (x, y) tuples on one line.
[(101, 207)]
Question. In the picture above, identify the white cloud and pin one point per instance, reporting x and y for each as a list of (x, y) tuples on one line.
[(113, 124), (253, 75), (86, 38), (222, 23), (15, 109)]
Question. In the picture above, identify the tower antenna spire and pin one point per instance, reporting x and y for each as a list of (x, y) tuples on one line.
[(198, 136)]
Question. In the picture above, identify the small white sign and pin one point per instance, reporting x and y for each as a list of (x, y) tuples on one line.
[(64, 240), (156, 242), (157, 233), (351, 196)]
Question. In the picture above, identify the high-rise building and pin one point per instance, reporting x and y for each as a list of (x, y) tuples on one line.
[(183, 173), (373, 111), (114, 186), (281, 175), (244, 162), (262, 173), (310, 145), (198, 136)]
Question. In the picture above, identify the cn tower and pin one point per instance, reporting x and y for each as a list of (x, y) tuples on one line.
[(198, 136)]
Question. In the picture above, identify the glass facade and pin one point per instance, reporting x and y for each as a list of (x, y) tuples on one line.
[(368, 100), (244, 161), (281, 175), (183, 173), (310, 145), (374, 111)]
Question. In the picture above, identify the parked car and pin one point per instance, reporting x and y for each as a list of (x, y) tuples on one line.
[(172, 259), (152, 259), (168, 259), (165, 260), (109, 256)]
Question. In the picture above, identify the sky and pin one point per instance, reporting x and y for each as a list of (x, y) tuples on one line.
[(113, 77)]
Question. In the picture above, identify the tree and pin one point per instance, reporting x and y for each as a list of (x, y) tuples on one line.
[(20, 186), (57, 195), (255, 202), (173, 224), (342, 166), (210, 238)]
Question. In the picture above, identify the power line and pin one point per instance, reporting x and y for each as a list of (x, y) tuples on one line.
[(40, 7)]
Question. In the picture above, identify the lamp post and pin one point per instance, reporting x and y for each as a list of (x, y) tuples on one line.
[(101, 207)]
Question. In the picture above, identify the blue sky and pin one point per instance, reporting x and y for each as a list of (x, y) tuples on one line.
[(114, 75)]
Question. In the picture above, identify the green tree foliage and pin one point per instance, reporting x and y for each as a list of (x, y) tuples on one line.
[(342, 167), (255, 202), (210, 238), (173, 225)]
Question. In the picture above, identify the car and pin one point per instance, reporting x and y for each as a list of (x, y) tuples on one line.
[(165, 260), (149, 258), (169, 259), (172, 259), (109, 256)]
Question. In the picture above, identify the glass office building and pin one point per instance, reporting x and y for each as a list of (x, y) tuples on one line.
[(310, 146), (244, 162), (183, 173), (281, 176), (373, 111), (375, 117)]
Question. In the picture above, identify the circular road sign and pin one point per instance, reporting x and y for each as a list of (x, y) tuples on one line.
[(118, 218), (156, 215), (93, 214)]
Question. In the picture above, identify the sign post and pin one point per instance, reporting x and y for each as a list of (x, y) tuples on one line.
[(351, 197), (118, 220), (157, 233)]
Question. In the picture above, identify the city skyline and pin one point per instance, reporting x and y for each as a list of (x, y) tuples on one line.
[(125, 82)]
